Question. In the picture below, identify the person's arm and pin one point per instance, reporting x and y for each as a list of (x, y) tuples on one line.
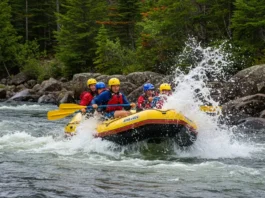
[(101, 98)]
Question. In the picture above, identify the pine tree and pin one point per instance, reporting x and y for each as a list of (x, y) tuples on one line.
[(8, 41), (76, 46), (248, 25)]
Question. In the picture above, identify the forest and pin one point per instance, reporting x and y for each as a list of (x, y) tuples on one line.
[(58, 38)]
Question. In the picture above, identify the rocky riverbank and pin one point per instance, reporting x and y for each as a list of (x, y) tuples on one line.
[(242, 96)]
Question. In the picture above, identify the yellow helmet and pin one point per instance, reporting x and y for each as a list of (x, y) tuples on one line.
[(91, 81), (165, 86), (114, 81)]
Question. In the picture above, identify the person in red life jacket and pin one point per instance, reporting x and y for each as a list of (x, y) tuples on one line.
[(113, 96), (145, 100), (87, 96), (165, 91)]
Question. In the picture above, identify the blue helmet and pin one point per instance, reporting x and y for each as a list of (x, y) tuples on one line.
[(100, 85), (148, 86)]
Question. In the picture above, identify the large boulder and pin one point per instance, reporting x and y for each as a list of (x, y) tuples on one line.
[(248, 106), (103, 78), (252, 123), (49, 99), (19, 88), (20, 78), (79, 82), (31, 83), (85, 76), (66, 97), (50, 85), (246, 82), (127, 87), (133, 96), (2, 93), (139, 78)]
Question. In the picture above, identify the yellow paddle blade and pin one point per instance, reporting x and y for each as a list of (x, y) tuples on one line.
[(211, 109), (70, 106), (59, 114)]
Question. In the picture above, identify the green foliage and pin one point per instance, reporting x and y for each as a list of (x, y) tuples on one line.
[(76, 46), (112, 57), (248, 25), (42, 70), (8, 40), (136, 36)]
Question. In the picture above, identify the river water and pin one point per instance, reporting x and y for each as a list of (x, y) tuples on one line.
[(36, 161)]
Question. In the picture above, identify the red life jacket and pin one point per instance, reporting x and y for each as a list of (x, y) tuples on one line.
[(86, 97), (145, 103), (116, 98)]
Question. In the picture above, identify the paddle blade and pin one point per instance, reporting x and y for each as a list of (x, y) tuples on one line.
[(71, 107), (59, 114), (211, 109)]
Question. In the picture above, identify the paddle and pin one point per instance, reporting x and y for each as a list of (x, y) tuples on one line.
[(211, 109), (207, 109), (59, 114), (68, 109), (70, 106)]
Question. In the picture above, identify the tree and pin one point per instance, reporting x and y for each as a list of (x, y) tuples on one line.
[(248, 25), (8, 40), (76, 46)]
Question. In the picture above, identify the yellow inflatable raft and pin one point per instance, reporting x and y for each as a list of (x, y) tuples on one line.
[(151, 125)]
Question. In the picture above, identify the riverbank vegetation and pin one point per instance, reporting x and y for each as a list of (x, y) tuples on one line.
[(64, 37)]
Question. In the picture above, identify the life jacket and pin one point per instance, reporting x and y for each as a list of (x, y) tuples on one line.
[(146, 104), (86, 97), (93, 94), (116, 98)]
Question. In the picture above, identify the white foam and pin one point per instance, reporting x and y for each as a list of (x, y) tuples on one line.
[(27, 107)]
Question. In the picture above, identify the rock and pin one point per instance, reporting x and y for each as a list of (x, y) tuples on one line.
[(19, 78), (127, 87), (139, 78), (67, 97), (20, 96), (31, 83), (85, 76), (262, 114), (2, 93), (246, 82), (103, 78), (63, 80), (133, 96), (252, 123), (19, 88), (49, 98), (50, 85), (248, 106), (36, 88), (3, 81)]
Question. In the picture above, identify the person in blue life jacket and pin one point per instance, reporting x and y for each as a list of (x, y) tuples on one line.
[(113, 96)]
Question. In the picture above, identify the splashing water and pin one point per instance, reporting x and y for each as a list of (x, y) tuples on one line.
[(214, 140)]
